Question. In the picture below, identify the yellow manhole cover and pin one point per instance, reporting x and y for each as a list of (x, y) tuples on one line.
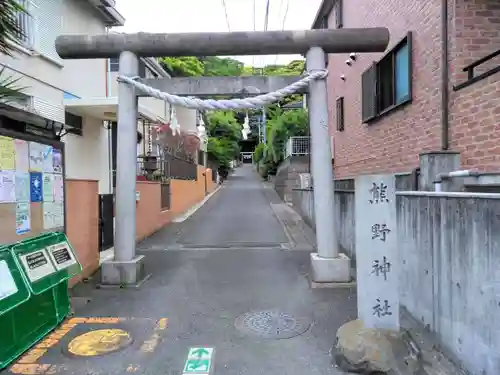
[(99, 342)]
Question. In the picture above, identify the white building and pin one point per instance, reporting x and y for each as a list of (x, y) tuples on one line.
[(78, 96)]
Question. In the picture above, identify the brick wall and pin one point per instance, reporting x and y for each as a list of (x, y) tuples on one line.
[(475, 110), (82, 224), (150, 216), (393, 142), (184, 194)]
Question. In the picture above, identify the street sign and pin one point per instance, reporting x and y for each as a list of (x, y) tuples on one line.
[(199, 361)]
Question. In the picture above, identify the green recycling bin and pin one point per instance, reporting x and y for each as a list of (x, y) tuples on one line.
[(48, 262), (40, 267)]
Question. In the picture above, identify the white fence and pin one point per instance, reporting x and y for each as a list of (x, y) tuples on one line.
[(297, 146)]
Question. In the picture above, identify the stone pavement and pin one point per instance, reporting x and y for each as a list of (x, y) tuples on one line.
[(234, 256)]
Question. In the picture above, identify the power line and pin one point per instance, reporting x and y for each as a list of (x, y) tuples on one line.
[(254, 29), (266, 19), (266, 22), (254, 15), (283, 24), (286, 14), (225, 12)]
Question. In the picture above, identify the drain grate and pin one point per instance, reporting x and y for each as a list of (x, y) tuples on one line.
[(272, 324)]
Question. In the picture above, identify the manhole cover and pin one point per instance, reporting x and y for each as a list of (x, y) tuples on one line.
[(99, 342), (272, 324)]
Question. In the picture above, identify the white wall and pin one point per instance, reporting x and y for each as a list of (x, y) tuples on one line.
[(186, 118), (88, 157), (83, 78), (155, 106), (47, 79)]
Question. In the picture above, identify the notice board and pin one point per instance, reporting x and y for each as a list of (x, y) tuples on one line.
[(31, 186)]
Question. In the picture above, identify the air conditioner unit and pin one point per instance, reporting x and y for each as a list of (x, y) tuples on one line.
[(305, 180), (25, 103)]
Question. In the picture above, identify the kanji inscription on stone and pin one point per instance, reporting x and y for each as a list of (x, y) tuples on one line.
[(376, 243)]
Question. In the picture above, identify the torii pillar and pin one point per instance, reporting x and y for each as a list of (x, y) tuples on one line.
[(127, 268)]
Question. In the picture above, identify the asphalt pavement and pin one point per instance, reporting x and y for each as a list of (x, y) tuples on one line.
[(227, 289)]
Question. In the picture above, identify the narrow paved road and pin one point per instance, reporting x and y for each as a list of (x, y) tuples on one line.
[(220, 264), (238, 215)]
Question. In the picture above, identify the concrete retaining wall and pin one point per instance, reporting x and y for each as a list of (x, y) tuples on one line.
[(303, 203), (287, 176), (450, 276), (449, 248)]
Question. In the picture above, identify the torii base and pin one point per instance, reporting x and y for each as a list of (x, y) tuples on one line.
[(123, 274), (330, 270)]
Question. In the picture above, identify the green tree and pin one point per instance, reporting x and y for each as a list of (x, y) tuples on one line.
[(187, 66), (224, 136), (217, 66), (283, 125), (10, 33), (295, 67)]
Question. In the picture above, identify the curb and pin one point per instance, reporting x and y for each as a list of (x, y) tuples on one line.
[(196, 207)]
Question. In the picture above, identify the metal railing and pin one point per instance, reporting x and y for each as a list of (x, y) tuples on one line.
[(181, 169), (166, 167), (490, 65), (27, 24), (297, 146)]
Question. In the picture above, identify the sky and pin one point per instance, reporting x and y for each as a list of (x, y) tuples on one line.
[(180, 16)]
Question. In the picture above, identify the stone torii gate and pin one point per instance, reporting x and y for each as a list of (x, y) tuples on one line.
[(127, 268)]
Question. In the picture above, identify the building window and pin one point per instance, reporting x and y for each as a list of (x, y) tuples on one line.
[(323, 23), (48, 16), (114, 64), (335, 13), (387, 83), (340, 114), (26, 25), (76, 123), (142, 69), (338, 12)]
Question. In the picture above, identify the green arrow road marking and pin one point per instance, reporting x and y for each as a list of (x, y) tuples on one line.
[(199, 352), (199, 361), (197, 365)]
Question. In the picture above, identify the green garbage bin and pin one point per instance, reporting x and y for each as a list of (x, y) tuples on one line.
[(42, 266), (48, 262)]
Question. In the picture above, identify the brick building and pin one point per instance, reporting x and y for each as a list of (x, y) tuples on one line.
[(386, 109)]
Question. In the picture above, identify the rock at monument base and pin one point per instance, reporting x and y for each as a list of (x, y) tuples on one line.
[(364, 350)]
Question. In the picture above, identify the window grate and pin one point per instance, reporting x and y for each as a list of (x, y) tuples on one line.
[(340, 114)]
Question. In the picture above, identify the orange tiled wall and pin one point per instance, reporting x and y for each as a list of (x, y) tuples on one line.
[(210, 184), (184, 194), (82, 223), (150, 218)]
